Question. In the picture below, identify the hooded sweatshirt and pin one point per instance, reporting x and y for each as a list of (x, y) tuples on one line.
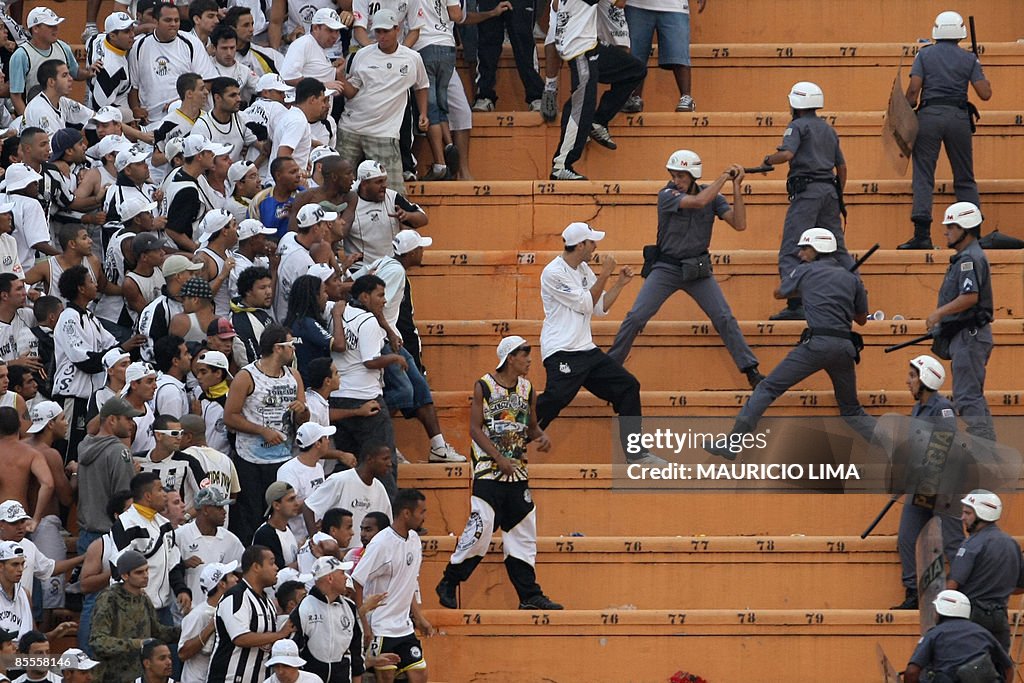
[(104, 468)]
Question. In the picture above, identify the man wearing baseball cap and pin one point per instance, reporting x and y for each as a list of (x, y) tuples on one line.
[(198, 628), (307, 57), (15, 606), (376, 89), (305, 471), (572, 294), (282, 505), (77, 666), (206, 539), (144, 282), (252, 249), (22, 186), (111, 86), (52, 109), (185, 199), (68, 149), (218, 234), (133, 182), (243, 185), (155, 319), (314, 225), (378, 214), (42, 25)]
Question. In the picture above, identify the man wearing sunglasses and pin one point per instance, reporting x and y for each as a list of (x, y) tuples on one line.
[(178, 471)]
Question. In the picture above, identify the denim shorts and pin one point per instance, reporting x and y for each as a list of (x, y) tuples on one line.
[(673, 35), (439, 63)]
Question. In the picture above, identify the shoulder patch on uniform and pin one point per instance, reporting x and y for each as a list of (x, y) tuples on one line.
[(947, 412), (968, 284), (966, 265), (961, 552), (789, 131)]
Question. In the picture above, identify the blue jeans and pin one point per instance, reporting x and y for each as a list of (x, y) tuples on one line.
[(85, 538), (673, 36), (406, 390), (439, 61)]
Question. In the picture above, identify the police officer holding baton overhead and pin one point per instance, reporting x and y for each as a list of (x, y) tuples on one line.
[(939, 77), (963, 315)]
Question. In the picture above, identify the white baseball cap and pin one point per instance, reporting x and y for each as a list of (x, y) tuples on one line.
[(113, 357), (237, 171), (10, 550), (6, 207), (134, 373), (215, 359), (251, 227), (327, 565), (213, 222), (370, 169), (507, 347), (409, 240), (76, 660), (42, 413), (320, 153), (309, 433), (108, 114), (286, 651), (173, 147), (191, 145), (322, 271), (118, 21), (43, 15), (12, 511), (132, 155), (272, 82), (289, 574), (108, 145), (311, 214), (383, 19), (575, 233), (329, 18), (135, 205), (20, 176), (213, 573)]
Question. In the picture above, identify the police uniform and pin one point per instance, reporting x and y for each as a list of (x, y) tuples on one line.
[(501, 500), (942, 118), (832, 298), (938, 412), (816, 155), (987, 569), (684, 234), (952, 643), (970, 346)]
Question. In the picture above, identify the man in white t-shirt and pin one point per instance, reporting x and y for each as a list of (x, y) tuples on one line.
[(359, 490), (307, 57), (379, 79), (32, 232), (9, 261), (314, 226), (199, 627), (291, 134), (391, 564), (305, 472), (52, 109), (204, 540)]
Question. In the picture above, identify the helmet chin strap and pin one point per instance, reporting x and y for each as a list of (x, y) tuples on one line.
[(963, 236)]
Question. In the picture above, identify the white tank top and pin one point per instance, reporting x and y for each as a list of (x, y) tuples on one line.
[(56, 270), (195, 332), (267, 406), (111, 306), (149, 286), (222, 299), (8, 399)]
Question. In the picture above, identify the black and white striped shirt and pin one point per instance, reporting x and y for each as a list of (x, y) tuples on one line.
[(242, 610)]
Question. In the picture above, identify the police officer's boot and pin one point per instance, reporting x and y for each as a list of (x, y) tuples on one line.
[(909, 600), (922, 238), (794, 310)]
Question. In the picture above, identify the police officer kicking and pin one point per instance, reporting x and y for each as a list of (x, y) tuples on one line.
[(952, 643), (924, 381), (817, 176), (939, 76), (503, 420), (964, 312), (572, 295), (681, 262), (987, 568), (833, 298)]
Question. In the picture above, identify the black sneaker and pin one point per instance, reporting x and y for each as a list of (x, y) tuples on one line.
[(541, 602), (789, 314), (909, 602), (446, 594), (753, 376)]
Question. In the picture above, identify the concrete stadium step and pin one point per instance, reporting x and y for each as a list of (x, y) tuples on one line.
[(583, 431), (519, 145), (582, 497), (898, 282), (626, 646), (766, 572), (744, 77), (532, 214)]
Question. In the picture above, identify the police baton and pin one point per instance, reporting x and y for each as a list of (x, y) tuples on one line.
[(974, 36), (877, 519), (916, 340), (859, 262), (763, 168)]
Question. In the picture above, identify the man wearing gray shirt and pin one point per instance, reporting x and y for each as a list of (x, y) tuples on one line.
[(680, 260)]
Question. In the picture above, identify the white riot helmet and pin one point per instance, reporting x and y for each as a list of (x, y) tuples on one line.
[(964, 214), (685, 160), (930, 371), (986, 505), (806, 95), (820, 239), (951, 603), (949, 26)]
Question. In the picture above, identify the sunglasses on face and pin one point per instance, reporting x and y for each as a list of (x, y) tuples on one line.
[(173, 433)]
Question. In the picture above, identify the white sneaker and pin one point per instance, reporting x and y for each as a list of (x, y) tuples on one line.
[(90, 31), (686, 103), (446, 454), (566, 174), (483, 104), (535, 105), (401, 458)]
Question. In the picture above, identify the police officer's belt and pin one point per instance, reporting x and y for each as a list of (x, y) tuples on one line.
[(974, 114), (693, 267), (798, 183), (857, 340)]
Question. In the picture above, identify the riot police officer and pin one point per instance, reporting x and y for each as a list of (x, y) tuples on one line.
[(817, 176), (680, 260), (924, 380), (833, 299), (952, 643), (939, 76), (987, 567), (964, 312)]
